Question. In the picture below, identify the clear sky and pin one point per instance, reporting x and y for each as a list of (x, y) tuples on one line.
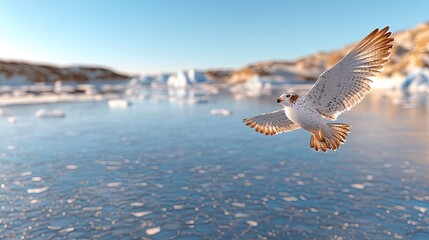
[(148, 36)]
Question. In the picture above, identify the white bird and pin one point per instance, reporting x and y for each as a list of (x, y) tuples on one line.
[(337, 90)]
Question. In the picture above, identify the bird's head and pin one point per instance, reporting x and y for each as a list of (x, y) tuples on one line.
[(288, 99)]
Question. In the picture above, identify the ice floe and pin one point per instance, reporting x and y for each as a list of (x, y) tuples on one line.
[(114, 184), (290, 199), (92, 209), (358, 185), (24, 174), (252, 223), (36, 179), (47, 113), (71, 167), (220, 111), (12, 120), (118, 103), (136, 204), (141, 214), (238, 204), (241, 215), (153, 231), (421, 209), (37, 190), (66, 230)]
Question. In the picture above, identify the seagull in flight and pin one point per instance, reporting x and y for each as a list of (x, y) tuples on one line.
[(337, 90)]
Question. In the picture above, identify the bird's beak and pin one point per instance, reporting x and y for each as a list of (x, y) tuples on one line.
[(280, 99)]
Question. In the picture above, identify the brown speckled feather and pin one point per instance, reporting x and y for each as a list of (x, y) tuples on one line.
[(344, 85), (271, 123)]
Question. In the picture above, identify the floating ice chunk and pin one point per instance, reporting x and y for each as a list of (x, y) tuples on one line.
[(141, 214), (252, 223), (46, 113), (11, 119), (24, 174), (114, 184), (36, 179), (241, 215), (37, 190), (35, 201), (92, 209), (71, 167), (238, 204), (54, 228), (153, 231), (290, 199), (220, 111), (67, 230), (421, 209), (247, 183), (402, 208), (369, 177), (358, 185), (136, 204), (178, 207), (190, 222), (314, 210), (118, 103)]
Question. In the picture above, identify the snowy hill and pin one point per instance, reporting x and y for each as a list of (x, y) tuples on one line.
[(17, 73), (410, 53)]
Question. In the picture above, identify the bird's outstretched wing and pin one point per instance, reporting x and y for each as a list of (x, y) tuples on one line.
[(344, 85), (271, 123)]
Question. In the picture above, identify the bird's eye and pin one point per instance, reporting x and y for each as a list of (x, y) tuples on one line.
[(288, 96)]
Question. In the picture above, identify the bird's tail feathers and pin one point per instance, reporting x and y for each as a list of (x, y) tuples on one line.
[(330, 137)]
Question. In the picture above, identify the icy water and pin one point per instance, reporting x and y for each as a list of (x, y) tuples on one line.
[(170, 170)]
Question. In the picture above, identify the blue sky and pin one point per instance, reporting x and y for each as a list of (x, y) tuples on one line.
[(154, 36)]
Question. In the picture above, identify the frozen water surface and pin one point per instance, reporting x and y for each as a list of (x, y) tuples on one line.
[(171, 170)]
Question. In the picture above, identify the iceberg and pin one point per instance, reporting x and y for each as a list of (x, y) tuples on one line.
[(186, 78), (418, 81), (180, 80)]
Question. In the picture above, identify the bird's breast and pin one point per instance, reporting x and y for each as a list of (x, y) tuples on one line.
[(305, 117)]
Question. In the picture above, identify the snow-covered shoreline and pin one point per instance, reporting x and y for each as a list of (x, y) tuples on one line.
[(53, 98)]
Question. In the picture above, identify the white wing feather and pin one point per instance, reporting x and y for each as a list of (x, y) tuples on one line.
[(344, 85), (271, 123)]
